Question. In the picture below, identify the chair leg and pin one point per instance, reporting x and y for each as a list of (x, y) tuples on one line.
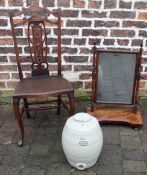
[(27, 108), (59, 104), (19, 119), (72, 102)]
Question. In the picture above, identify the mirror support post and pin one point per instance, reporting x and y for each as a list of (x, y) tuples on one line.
[(93, 76), (138, 77)]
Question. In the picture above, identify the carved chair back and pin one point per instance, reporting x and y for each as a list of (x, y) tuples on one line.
[(36, 19)]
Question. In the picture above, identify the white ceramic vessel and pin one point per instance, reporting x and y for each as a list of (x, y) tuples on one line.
[(82, 140)]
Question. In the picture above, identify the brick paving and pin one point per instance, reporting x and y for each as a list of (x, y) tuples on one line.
[(124, 151)]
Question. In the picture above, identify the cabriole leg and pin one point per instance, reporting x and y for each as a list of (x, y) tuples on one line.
[(16, 101)]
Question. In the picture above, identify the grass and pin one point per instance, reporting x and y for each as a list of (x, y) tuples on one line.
[(81, 95), (6, 98), (143, 94)]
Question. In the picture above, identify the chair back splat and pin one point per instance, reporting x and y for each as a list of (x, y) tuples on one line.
[(39, 24), (37, 37)]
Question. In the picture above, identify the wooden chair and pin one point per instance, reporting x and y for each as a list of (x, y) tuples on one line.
[(41, 84)]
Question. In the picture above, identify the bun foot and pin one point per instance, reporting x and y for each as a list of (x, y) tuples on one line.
[(20, 143)]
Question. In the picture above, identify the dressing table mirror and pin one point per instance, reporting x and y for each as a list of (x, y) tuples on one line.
[(115, 86)]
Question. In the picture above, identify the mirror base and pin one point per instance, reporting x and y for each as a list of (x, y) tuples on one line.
[(112, 115)]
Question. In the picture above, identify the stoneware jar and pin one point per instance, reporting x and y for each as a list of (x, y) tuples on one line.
[(82, 140)]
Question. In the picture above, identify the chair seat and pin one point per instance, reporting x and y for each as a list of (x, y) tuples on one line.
[(36, 86)]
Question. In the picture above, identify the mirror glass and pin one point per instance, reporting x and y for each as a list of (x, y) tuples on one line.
[(115, 77)]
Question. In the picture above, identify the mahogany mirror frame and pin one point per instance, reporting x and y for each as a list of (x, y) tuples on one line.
[(110, 112)]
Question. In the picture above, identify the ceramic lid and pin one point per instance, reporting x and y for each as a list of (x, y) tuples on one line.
[(82, 117), (82, 122)]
